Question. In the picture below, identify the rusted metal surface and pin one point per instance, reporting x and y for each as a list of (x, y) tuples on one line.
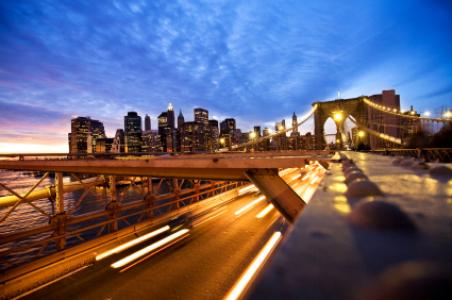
[(347, 246)]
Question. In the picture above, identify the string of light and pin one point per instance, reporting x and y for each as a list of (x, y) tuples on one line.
[(396, 112)]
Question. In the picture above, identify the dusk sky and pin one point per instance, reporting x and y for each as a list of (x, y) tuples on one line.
[(257, 61)]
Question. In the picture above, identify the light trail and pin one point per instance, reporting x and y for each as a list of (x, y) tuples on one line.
[(134, 256), (265, 211), (247, 189), (132, 243), (249, 205), (296, 177), (252, 269)]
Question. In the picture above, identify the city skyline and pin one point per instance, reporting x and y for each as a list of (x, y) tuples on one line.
[(60, 59)]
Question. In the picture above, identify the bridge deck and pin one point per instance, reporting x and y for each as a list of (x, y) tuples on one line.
[(326, 257)]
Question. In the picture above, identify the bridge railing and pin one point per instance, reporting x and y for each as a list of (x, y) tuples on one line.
[(443, 155), (61, 228)]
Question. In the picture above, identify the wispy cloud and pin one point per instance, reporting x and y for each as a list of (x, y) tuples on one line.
[(257, 61)]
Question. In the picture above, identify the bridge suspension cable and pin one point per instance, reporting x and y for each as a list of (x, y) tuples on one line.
[(380, 135), (304, 118), (396, 112)]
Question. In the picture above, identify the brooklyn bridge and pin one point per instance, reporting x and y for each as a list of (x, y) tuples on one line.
[(244, 221)]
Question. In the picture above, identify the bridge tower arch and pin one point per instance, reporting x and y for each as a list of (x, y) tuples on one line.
[(339, 110)]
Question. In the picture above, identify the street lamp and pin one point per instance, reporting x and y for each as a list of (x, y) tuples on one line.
[(427, 113), (252, 135), (447, 114), (361, 134), (338, 116), (222, 141)]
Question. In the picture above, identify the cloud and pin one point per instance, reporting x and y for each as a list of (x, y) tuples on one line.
[(257, 61)]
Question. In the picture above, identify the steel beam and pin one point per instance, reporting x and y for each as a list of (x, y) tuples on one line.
[(278, 192), (195, 166)]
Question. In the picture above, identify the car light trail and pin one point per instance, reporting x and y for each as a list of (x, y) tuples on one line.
[(265, 211), (134, 256), (296, 177), (132, 243), (249, 273), (247, 189), (249, 205)]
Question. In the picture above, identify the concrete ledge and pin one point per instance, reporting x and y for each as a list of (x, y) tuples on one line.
[(326, 256)]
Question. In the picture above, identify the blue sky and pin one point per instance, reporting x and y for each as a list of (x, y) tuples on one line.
[(257, 61)]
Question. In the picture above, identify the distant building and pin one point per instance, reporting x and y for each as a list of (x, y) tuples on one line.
[(384, 122), (104, 145), (266, 143), (83, 135), (133, 132), (151, 141), (166, 130), (228, 132), (180, 131), (294, 138), (147, 123), (118, 142), (201, 116), (214, 135)]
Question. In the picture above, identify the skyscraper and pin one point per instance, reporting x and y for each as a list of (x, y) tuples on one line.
[(201, 116), (83, 135), (180, 120), (147, 123), (166, 129), (118, 142), (132, 132), (170, 114)]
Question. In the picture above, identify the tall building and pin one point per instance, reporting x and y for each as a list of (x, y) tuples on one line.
[(170, 114), (294, 123), (383, 122), (214, 135), (228, 132), (166, 130), (294, 138), (180, 131), (201, 116), (202, 130), (83, 135), (133, 132), (180, 120), (147, 123), (118, 142), (227, 126)]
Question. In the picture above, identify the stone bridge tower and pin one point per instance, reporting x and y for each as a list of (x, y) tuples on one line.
[(339, 110)]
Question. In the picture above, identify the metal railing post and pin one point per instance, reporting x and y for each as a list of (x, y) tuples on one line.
[(112, 206), (59, 219), (149, 198)]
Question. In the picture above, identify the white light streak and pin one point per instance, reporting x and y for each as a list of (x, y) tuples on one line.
[(134, 256), (249, 273), (247, 189), (132, 243), (265, 211), (249, 205)]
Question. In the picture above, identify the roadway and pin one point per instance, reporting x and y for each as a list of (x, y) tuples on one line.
[(204, 265)]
